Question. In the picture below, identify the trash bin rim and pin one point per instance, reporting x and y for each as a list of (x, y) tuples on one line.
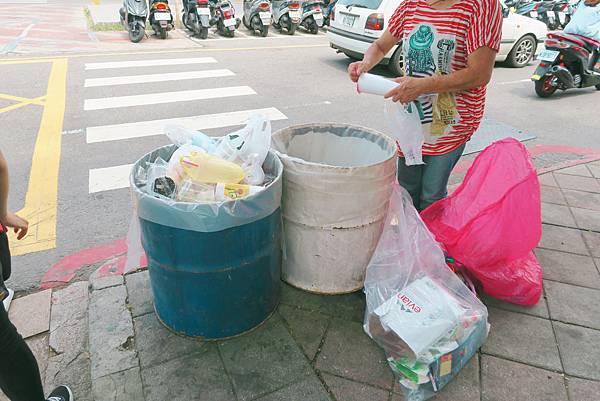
[(285, 156)]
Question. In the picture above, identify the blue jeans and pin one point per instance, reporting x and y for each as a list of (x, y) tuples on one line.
[(428, 183)]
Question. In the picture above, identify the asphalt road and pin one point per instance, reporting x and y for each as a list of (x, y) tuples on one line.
[(300, 79)]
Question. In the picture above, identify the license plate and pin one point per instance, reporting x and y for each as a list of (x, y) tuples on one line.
[(203, 11), (533, 14), (162, 17), (264, 15), (229, 22), (295, 14), (348, 20), (548, 55)]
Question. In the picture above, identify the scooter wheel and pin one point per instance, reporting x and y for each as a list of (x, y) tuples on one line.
[(544, 87), (264, 31), (136, 35), (203, 33), (291, 29), (163, 34), (598, 87)]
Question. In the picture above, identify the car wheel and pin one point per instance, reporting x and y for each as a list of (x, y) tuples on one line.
[(396, 65), (522, 52)]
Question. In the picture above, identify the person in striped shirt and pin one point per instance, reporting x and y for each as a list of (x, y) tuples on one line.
[(449, 49)]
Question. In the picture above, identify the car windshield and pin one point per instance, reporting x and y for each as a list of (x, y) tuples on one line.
[(370, 4)]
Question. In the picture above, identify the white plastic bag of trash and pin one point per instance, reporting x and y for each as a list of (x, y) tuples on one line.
[(405, 126), (424, 317)]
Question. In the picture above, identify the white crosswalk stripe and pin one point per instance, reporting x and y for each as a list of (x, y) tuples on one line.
[(107, 178), (165, 97), (141, 129), (149, 63), (153, 78)]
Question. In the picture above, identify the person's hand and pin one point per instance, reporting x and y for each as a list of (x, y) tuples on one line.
[(408, 89), (19, 224), (355, 70)]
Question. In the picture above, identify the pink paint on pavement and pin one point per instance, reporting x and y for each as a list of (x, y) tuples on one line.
[(64, 271)]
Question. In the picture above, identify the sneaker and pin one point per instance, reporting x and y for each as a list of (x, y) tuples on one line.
[(61, 393), (8, 299)]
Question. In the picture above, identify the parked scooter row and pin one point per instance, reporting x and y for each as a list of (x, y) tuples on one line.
[(134, 14), (556, 14)]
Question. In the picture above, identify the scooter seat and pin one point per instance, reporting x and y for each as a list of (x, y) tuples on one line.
[(585, 42)]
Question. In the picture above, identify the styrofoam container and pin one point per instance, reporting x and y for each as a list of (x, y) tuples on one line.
[(337, 183)]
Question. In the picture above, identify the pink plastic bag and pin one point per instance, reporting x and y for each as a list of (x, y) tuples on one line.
[(492, 222)]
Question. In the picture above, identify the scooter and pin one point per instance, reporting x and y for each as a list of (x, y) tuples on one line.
[(257, 16), (196, 17), (312, 16), (569, 61), (133, 18), (545, 13), (161, 18), (224, 17), (286, 15)]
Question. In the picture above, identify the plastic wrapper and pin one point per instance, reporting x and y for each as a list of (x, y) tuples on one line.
[(424, 317), (405, 126), (492, 222), (203, 217)]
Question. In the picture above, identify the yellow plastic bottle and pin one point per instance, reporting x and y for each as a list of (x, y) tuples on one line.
[(202, 167)]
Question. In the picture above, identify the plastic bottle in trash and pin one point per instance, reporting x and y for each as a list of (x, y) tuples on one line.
[(225, 192), (205, 168), (180, 135)]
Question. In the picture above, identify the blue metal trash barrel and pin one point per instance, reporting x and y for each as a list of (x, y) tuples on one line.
[(214, 268)]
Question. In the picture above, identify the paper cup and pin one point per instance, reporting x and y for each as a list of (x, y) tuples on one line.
[(374, 84)]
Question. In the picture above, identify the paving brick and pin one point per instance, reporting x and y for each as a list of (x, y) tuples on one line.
[(579, 350), (196, 377), (540, 309), (69, 320), (552, 195), (348, 390), (140, 293), (595, 169), (350, 353), (347, 306), (573, 304), (307, 328), (122, 386), (586, 184), (39, 346), (31, 314), (73, 370), (156, 344), (111, 335), (583, 390), (568, 268), (263, 360), (579, 169), (584, 200), (522, 338), (563, 239), (100, 283), (548, 180), (557, 214), (309, 389), (504, 380), (592, 240), (587, 219)]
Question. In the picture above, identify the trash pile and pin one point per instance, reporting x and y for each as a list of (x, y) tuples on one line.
[(209, 170), (424, 317)]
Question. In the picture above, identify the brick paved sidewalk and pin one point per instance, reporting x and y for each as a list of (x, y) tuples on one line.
[(314, 348)]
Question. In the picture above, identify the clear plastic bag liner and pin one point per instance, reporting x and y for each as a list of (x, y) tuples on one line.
[(493, 220), (346, 168), (418, 310), (203, 217), (405, 126), (135, 251)]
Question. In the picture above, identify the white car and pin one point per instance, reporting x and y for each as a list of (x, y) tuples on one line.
[(358, 23)]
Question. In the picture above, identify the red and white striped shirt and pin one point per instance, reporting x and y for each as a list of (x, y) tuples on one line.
[(439, 42)]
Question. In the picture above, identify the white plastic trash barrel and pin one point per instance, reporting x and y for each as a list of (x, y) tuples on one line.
[(337, 182)]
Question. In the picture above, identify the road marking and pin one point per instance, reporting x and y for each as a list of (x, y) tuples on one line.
[(11, 46), (109, 178), (42, 192), (513, 82), (166, 97), (141, 79), (141, 129), (149, 63), (40, 101), (33, 60)]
